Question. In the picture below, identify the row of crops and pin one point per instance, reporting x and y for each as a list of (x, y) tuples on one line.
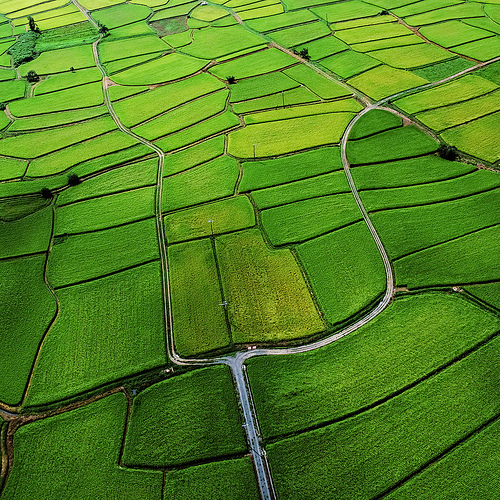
[(265, 245)]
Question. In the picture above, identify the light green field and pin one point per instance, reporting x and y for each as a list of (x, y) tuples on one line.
[(165, 69), (451, 33), (117, 92), (199, 323), (423, 6), (372, 32), (302, 220), (184, 116), (479, 138), (258, 63), (28, 309), (115, 324), (47, 452), (189, 418), (285, 136), (10, 90), (283, 20), (411, 57), (331, 183), (386, 43), (87, 256), (83, 96), (438, 71), (264, 173), (326, 46), (227, 215), (297, 35), (262, 85), (208, 13), (149, 104), (384, 81), (343, 11), (207, 182), (373, 122), (268, 300), (349, 63), (119, 65), (460, 11), (462, 89), (11, 168), (120, 15), (116, 49), (345, 271)]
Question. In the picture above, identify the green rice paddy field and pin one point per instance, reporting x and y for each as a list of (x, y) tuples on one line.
[(197, 196)]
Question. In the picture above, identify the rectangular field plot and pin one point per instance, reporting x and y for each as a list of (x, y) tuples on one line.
[(119, 15), (407, 230), (373, 32), (13, 89), (267, 296), (345, 271), (373, 122), (384, 81), (149, 104), (226, 216), (264, 61), (90, 255), (469, 259), (343, 11), (465, 185), (423, 6), (105, 211), (29, 307), (387, 43), (207, 182), (412, 337), (285, 136), (451, 33), (135, 175), (297, 35), (407, 172), (114, 325), (262, 85), (479, 138), (349, 63), (116, 49), (460, 11), (283, 20), (67, 80), (331, 183), (303, 220), (411, 57), (393, 440), (265, 173), (235, 478), (11, 168), (323, 47), (393, 144), (165, 418), (462, 89), (199, 321)]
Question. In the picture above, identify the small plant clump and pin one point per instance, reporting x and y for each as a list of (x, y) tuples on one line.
[(448, 152), (3, 106), (231, 79), (33, 25), (46, 193), (24, 49), (304, 53), (32, 77), (74, 179), (384, 13), (103, 30)]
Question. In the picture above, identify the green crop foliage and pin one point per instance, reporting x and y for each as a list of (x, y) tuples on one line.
[(119, 15), (212, 44), (116, 326), (113, 67), (423, 6), (394, 144), (109, 50), (258, 63), (185, 419), (59, 37), (345, 271), (285, 136), (267, 296), (420, 54), (234, 479), (227, 215), (432, 192), (28, 309), (460, 11), (265, 173), (479, 138), (302, 220), (407, 172), (133, 176), (384, 81), (87, 256), (412, 337), (386, 43), (118, 92), (393, 440), (373, 122), (83, 96), (349, 63), (262, 85), (68, 79), (198, 318), (469, 259), (268, 10), (24, 48), (149, 104), (23, 232), (372, 32), (207, 182), (11, 168), (75, 455), (323, 47), (325, 88), (441, 70), (462, 89), (322, 185), (283, 20), (453, 32), (296, 35), (12, 89), (165, 69), (342, 12), (489, 292), (185, 116), (105, 211)]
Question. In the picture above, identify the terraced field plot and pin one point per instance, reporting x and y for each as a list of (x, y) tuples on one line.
[(197, 200)]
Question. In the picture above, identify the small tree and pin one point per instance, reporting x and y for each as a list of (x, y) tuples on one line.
[(32, 24), (448, 152), (231, 79), (72, 69), (304, 53), (32, 77), (103, 30), (384, 13), (46, 193), (73, 179), (3, 106)]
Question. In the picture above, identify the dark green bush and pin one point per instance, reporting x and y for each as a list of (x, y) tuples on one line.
[(24, 49)]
